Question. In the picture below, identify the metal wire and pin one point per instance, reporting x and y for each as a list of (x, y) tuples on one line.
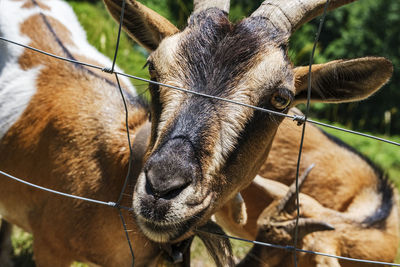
[(297, 118), (129, 141), (128, 172), (296, 230), (109, 203), (127, 236), (121, 18)]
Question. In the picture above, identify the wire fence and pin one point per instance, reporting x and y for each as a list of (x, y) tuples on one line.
[(299, 119)]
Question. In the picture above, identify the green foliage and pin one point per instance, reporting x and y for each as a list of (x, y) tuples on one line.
[(179, 11), (22, 243), (200, 257), (365, 28)]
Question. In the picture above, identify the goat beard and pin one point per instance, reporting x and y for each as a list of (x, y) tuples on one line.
[(216, 243)]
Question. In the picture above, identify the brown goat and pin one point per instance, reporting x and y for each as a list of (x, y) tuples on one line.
[(344, 190), (62, 126)]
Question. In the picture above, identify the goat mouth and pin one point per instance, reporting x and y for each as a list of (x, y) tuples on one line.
[(163, 232), (175, 224), (165, 220)]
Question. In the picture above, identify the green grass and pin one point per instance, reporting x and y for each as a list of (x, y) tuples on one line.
[(22, 243), (200, 257)]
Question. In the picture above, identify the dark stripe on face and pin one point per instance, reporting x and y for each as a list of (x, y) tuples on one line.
[(216, 53), (194, 124)]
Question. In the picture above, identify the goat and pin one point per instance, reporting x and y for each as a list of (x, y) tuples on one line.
[(345, 190), (63, 125)]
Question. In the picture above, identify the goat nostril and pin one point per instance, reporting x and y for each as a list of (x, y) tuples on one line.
[(174, 192), (148, 187), (160, 187)]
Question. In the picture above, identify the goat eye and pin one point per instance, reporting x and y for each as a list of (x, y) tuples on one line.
[(280, 100), (152, 69)]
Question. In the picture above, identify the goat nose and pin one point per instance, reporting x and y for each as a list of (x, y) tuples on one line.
[(165, 186), (171, 169)]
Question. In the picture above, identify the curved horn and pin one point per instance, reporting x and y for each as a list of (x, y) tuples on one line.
[(289, 15), (200, 5)]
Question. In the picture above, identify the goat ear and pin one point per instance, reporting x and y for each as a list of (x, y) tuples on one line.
[(343, 80), (144, 25)]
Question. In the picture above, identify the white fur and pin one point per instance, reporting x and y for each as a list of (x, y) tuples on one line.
[(366, 202), (17, 86)]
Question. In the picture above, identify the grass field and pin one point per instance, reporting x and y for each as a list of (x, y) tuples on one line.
[(102, 33)]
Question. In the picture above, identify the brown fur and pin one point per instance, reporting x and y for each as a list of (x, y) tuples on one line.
[(29, 4)]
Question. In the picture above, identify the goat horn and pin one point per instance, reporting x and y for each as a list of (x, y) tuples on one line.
[(139, 18), (292, 190), (307, 226), (277, 190), (200, 5), (290, 15)]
